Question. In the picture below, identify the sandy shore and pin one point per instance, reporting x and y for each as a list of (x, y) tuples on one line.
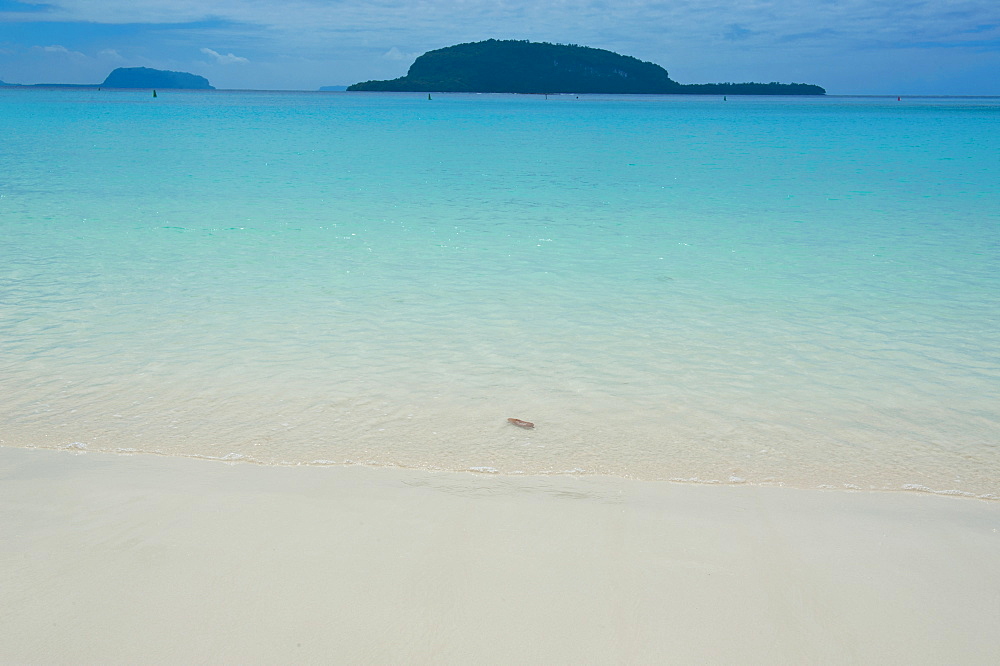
[(146, 559)]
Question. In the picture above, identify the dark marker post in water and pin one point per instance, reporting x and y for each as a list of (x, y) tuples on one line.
[(154, 93)]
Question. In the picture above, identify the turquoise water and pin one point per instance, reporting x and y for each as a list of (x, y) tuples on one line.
[(761, 290)]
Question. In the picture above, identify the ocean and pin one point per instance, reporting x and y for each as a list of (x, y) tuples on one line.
[(773, 291)]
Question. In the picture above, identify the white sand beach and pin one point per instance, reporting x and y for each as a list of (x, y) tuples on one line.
[(147, 559)]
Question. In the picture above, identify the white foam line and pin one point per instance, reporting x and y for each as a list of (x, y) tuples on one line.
[(233, 457), (955, 493)]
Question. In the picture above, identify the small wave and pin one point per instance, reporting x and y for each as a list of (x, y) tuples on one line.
[(955, 493), (694, 479)]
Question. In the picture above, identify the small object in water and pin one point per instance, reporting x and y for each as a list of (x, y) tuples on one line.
[(521, 424)]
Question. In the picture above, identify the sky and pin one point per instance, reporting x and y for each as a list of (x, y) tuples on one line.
[(867, 47)]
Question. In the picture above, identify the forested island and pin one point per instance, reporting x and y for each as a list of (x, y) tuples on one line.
[(510, 66), (138, 77), (145, 77)]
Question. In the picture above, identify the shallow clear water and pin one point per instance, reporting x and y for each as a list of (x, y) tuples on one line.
[(769, 290)]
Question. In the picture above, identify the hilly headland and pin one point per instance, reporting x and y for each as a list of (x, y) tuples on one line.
[(511, 66)]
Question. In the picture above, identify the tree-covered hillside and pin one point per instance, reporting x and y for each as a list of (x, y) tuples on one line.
[(527, 67), (509, 66)]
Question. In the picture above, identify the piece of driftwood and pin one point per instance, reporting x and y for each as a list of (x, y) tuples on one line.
[(521, 424)]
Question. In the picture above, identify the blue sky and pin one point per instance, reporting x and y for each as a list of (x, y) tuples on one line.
[(847, 46)]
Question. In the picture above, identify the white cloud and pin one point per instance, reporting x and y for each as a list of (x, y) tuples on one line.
[(60, 50), (110, 53), (395, 54), (228, 59)]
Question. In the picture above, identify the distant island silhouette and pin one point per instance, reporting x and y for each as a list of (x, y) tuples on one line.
[(144, 77), (138, 77), (512, 66)]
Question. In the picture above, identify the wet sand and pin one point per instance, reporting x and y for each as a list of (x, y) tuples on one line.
[(146, 559)]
